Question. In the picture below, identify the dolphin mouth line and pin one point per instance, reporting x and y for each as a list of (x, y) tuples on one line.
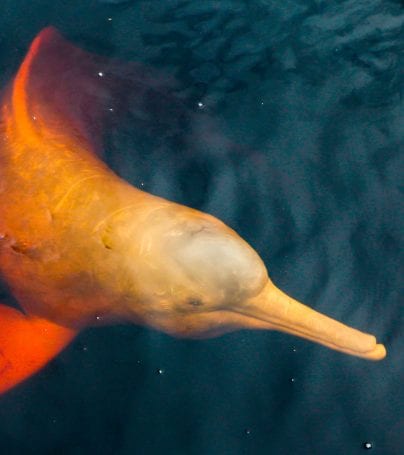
[(277, 325)]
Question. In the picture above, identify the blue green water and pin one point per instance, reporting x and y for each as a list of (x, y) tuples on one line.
[(294, 122)]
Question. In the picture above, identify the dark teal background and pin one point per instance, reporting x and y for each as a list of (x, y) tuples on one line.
[(296, 146)]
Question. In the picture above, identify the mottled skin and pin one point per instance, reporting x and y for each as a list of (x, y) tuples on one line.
[(79, 246)]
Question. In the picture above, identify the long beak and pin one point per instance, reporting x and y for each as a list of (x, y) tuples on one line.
[(276, 310)]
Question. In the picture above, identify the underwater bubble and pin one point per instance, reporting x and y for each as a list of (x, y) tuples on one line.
[(292, 379), (247, 431), (101, 74), (160, 371), (367, 445)]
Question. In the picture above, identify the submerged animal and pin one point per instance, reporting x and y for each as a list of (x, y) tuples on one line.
[(80, 247)]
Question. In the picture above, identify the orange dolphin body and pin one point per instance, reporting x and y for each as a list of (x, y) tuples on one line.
[(79, 246)]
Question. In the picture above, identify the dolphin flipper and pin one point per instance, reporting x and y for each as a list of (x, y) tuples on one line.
[(27, 344)]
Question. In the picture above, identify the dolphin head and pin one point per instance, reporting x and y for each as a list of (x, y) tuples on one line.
[(190, 275)]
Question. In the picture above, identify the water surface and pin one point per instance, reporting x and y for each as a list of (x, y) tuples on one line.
[(292, 137)]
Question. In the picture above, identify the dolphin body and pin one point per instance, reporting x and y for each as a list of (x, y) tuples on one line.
[(81, 247)]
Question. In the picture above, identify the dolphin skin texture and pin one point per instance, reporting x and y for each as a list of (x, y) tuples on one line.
[(81, 247)]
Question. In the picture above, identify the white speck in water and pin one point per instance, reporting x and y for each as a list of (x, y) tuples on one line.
[(247, 431), (85, 348), (201, 105), (109, 19), (111, 109), (141, 184), (262, 103), (293, 380), (160, 371), (98, 318), (100, 73), (34, 117), (294, 349), (367, 445), (138, 362)]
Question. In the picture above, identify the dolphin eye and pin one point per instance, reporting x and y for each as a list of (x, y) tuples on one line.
[(195, 302)]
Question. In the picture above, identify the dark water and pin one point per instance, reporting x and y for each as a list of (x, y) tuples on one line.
[(297, 148)]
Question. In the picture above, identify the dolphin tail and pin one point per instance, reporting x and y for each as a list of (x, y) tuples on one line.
[(26, 345)]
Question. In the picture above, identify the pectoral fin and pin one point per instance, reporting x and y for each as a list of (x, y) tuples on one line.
[(26, 345)]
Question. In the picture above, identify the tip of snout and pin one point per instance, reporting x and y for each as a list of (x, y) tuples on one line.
[(278, 311), (377, 353)]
